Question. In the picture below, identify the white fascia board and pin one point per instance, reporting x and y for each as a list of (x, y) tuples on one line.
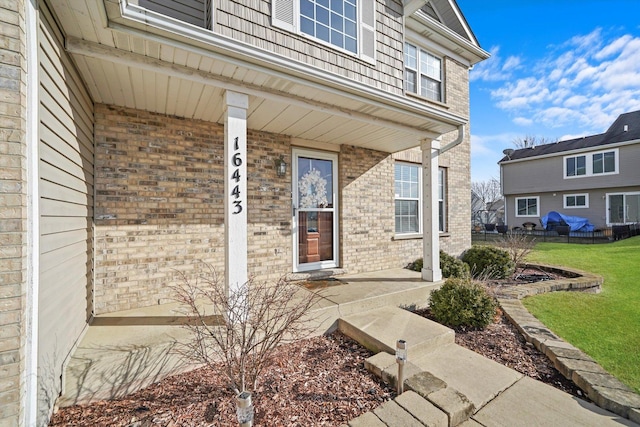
[(138, 21), (450, 38)]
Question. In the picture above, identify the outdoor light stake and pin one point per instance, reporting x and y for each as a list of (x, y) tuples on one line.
[(401, 357), (244, 409)]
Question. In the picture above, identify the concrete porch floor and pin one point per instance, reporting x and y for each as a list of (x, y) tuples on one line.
[(124, 351)]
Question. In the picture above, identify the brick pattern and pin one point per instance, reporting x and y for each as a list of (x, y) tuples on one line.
[(160, 208), (159, 203), (250, 21), (13, 187)]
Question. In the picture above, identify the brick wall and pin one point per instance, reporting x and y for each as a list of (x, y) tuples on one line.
[(12, 209), (160, 208)]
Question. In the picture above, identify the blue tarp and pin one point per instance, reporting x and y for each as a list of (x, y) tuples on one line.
[(575, 223)]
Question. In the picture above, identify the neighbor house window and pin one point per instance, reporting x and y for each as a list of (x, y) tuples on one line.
[(422, 73), (572, 201), (348, 25), (407, 194), (442, 195), (623, 208), (599, 163), (528, 206)]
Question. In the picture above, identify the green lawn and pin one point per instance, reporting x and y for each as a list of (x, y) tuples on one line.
[(606, 326)]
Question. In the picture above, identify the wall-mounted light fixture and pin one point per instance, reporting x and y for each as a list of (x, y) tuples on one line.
[(281, 166)]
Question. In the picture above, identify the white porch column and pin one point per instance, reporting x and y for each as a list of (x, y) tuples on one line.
[(235, 189), (430, 219)]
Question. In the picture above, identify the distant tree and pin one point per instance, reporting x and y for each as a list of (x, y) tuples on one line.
[(488, 194), (531, 141)]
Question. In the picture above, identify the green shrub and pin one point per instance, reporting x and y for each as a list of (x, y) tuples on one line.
[(460, 302), (416, 265), (453, 267), (489, 262)]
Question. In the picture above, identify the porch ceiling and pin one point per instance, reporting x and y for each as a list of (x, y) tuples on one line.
[(177, 75)]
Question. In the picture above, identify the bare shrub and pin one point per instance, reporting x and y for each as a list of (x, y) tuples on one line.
[(517, 245), (241, 328)]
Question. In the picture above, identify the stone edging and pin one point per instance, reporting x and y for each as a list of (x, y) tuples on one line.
[(601, 387)]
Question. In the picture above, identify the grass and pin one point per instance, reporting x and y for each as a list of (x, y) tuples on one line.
[(606, 326)]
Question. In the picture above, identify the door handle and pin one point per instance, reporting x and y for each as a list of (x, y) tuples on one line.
[(294, 210)]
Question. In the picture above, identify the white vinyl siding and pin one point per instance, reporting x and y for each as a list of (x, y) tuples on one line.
[(347, 25), (66, 200), (575, 201), (527, 206), (592, 164)]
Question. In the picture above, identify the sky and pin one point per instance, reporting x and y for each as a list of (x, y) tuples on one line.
[(559, 69)]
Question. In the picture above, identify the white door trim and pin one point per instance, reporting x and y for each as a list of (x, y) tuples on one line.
[(323, 155)]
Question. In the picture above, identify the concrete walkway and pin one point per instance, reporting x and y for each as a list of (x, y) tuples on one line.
[(449, 385)]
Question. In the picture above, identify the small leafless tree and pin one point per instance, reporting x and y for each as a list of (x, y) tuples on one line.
[(518, 246), (529, 141), (242, 327), (488, 194)]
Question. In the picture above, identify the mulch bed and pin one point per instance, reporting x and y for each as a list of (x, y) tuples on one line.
[(319, 381)]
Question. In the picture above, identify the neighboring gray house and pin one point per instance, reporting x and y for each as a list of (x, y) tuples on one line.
[(596, 177)]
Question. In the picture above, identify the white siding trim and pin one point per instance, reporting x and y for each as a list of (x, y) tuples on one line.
[(30, 395)]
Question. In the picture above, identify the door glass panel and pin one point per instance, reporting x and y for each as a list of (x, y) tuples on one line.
[(633, 208), (315, 183), (616, 208), (315, 210)]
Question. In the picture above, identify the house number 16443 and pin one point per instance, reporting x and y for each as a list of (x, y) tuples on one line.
[(237, 162)]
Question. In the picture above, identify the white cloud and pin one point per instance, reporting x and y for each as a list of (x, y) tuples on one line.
[(523, 121), (495, 69), (585, 82)]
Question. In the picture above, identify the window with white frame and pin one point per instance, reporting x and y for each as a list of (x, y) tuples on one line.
[(572, 201), (442, 197), (598, 163), (422, 73), (623, 208), (408, 199), (407, 191), (348, 25), (527, 206)]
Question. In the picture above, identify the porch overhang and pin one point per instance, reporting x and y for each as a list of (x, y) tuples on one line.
[(165, 66)]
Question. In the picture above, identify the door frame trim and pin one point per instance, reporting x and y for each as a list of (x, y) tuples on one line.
[(322, 155)]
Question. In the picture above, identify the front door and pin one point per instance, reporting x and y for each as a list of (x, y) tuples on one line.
[(315, 226)]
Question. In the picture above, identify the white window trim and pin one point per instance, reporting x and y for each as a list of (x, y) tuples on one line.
[(414, 233), (589, 163), (608, 208), (537, 214), (420, 48), (566, 206), (445, 223)]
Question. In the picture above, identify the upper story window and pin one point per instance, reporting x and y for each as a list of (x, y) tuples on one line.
[(600, 163), (348, 25), (422, 73), (334, 22), (527, 206)]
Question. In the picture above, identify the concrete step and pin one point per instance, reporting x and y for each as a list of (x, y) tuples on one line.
[(380, 328), (479, 379)]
